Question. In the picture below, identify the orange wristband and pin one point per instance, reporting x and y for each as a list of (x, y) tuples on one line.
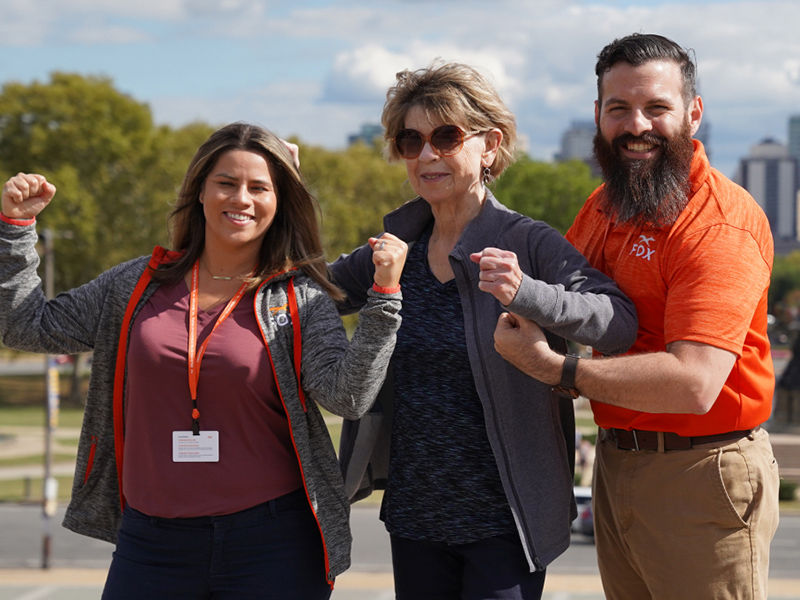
[(385, 290)]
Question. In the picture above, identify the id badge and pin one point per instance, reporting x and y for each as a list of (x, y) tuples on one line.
[(187, 447)]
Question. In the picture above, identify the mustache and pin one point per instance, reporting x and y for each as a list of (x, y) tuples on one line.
[(652, 191), (649, 138)]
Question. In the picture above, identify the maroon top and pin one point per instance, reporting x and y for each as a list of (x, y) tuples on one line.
[(236, 396)]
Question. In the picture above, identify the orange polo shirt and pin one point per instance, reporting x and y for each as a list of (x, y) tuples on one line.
[(704, 279)]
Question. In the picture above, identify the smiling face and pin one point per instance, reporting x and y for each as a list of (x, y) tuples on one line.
[(239, 202), (642, 106), (441, 179), (644, 140)]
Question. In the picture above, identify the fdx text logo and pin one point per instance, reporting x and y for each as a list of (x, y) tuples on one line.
[(642, 248)]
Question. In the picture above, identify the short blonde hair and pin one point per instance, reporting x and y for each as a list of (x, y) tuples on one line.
[(452, 93)]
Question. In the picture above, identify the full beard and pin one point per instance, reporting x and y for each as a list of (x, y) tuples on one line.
[(653, 191)]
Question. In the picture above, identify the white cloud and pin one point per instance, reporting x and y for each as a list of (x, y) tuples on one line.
[(328, 65), (362, 74), (32, 22), (288, 109), (365, 73)]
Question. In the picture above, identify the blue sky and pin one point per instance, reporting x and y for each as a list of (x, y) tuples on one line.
[(318, 69)]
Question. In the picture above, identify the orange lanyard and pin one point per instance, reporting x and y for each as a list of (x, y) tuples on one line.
[(195, 357)]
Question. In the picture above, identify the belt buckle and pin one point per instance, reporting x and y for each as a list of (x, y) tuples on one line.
[(635, 440)]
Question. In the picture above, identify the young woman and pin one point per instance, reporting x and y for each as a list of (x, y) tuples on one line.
[(203, 454)]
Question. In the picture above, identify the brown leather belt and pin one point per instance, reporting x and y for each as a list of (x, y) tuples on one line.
[(638, 439)]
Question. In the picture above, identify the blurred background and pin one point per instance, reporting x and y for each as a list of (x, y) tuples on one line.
[(109, 100)]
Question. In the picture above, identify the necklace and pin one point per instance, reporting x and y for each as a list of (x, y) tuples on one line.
[(221, 277)]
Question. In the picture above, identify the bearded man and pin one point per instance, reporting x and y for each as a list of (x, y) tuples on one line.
[(685, 485)]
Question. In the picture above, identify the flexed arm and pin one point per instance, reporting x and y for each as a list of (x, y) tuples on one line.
[(28, 320), (560, 291), (345, 377)]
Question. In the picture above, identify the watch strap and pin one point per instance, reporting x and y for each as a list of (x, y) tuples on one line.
[(566, 386)]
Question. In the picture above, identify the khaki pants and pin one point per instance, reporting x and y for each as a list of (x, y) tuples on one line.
[(686, 524)]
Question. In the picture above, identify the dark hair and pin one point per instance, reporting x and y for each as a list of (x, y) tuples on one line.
[(639, 48), (293, 239), (455, 94)]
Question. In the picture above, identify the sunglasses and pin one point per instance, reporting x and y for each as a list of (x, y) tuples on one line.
[(445, 140)]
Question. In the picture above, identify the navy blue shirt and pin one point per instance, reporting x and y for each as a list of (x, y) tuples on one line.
[(443, 482)]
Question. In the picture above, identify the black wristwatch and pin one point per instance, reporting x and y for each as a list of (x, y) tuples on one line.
[(567, 385)]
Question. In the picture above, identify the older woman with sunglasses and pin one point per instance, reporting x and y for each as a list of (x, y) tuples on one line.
[(478, 473)]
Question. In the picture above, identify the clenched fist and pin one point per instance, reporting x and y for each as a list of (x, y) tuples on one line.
[(500, 274), (388, 256), (25, 195)]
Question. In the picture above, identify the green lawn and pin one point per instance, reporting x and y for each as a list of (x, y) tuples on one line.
[(20, 490), (15, 411), (36, 415), (35, 459)]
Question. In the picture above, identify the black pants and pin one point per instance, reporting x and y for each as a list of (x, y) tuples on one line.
[(272, 550), (490, 569)]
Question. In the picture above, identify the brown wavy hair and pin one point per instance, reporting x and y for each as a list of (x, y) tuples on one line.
[(452, 93), (293, 240)]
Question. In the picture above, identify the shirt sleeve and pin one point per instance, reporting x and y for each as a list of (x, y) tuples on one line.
[(716, 279)]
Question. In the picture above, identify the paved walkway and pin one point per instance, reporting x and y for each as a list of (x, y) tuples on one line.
[(786, 447), (67, 584), (364, 584)]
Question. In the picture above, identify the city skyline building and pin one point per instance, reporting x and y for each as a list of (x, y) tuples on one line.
[(770, 174), (704, 135), (577, 143), (794, 136), (367, 134)]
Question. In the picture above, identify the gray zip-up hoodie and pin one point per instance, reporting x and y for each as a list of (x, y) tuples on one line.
[(531, 430), (342, 376)]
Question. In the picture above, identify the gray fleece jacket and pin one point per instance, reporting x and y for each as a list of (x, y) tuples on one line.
[(531, 430), (344, 377)]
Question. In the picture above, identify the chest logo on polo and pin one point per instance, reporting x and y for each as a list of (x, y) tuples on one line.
[(641, 248)]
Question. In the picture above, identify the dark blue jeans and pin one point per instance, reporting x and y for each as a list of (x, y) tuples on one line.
[(490, 569), (272, 550)]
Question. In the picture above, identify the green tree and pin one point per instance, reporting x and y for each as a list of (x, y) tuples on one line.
[(161, 173), (116, 173), (550, 192), (355, 187), (93, 143), (784, 290)]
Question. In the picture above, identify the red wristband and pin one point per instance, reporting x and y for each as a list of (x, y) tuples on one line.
[(20, 222), (385, 290)]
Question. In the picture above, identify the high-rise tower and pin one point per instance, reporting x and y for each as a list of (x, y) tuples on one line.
[(770, 174)]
